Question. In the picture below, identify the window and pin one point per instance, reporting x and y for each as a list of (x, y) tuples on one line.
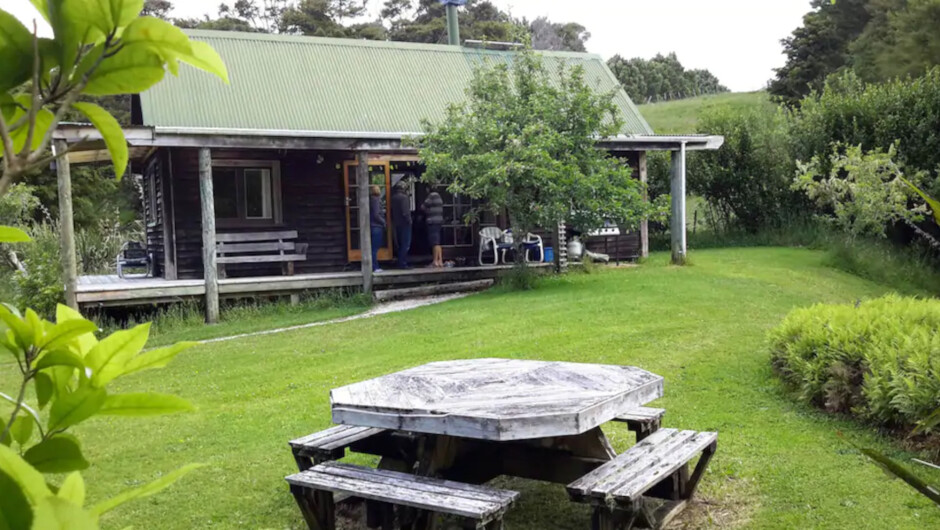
[(246, 193), (456, 231)]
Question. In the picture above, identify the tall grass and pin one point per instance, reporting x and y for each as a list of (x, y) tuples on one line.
[(911, 269)]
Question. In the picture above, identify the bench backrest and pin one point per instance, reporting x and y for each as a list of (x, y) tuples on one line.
[(247, 237)]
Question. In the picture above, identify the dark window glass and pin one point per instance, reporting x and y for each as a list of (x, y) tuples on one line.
[(225, 190)]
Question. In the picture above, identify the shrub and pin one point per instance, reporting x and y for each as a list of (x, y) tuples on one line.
[(519, 278), (875, 116), (747, 181), (40, 286), (878, 360)]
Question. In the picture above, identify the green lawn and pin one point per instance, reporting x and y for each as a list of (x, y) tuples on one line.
[(779, 463), (681, 116)]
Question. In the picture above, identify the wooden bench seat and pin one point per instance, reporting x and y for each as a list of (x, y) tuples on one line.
[(477, 507), (329, 444), (644, 421), (259, 247), (657, 467)]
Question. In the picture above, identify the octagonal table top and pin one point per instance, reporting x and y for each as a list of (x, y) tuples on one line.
[(496, 399)]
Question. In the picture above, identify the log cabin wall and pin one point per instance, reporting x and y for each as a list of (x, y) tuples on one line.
[(312, 202), (154, 180)]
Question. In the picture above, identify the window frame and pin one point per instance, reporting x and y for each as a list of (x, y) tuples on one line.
[(274, 167)]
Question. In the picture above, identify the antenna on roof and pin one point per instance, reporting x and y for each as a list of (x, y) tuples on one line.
[(453, 28)]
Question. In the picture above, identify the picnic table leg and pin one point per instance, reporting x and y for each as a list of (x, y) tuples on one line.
[(317, 508)]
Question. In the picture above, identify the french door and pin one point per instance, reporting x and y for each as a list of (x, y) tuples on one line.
[(378, 176)]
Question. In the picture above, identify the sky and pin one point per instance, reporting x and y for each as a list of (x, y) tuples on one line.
[(737, 40)]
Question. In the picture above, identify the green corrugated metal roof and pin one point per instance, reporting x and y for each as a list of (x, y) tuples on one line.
[(293, 83)]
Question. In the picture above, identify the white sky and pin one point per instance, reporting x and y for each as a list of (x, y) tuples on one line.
[(738, 40)]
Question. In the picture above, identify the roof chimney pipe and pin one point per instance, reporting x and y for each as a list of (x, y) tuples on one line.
[(453, 28)]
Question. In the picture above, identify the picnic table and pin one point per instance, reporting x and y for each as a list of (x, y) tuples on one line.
[(470, 421)]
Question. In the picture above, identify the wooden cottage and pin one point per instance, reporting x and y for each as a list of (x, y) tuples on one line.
[(273, 162)]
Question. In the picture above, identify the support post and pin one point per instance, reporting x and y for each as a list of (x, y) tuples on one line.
[(677, 219), (66, 226), (210, 270), (365, 233), (644, 224)]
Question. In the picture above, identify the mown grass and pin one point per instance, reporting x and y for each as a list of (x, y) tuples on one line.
[(681, 116), (703, 327), (186, 322)]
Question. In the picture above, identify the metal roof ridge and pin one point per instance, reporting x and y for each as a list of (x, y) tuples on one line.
[(368, 43)]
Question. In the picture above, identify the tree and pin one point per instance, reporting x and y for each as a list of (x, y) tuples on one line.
[(548, 35), (662, 78), (527, 145), (818, 48), (901, 39)]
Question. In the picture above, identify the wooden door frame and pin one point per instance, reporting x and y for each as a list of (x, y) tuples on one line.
[(386, 252)]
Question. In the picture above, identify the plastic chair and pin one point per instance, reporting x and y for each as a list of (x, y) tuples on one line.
[(133, 254), (533, 242), (490, 240)]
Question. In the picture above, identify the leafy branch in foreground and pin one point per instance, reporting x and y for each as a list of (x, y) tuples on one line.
[(100, 48), (69, 370)]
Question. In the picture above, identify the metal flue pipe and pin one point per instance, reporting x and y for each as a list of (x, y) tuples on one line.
[(453, 27)]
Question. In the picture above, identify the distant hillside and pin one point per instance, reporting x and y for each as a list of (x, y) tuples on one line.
[(681, 116)]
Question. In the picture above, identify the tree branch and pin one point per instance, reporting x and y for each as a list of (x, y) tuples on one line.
[(35, 103)]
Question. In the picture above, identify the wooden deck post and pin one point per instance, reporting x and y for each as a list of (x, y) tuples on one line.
[(677, 219), (644, 224), (66, 226), (365, 234), (208, 235)]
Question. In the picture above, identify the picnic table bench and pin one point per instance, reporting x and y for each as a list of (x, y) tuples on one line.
[(471, 421), (656, 466), (478, 507), (259, 247)]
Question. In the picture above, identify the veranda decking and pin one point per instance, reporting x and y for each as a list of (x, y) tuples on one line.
[(111, 290)]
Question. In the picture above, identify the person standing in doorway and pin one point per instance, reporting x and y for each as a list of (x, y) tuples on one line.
[(376, 224), (401, 221), (434, 207)]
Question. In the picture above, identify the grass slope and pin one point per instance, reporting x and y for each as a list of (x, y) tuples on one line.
[(779, 464), (681, 116)]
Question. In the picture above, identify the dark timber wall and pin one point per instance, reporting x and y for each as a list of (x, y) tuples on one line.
[(625, 246), (312, 199), (312, 202), (154, 181)]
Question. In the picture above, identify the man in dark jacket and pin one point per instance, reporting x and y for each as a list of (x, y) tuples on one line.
[(401, 221)]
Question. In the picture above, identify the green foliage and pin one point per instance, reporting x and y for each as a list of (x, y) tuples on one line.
[(662, 78), (875, 359), (519, 278), (878, 39), (99, 48), (39, 284), (747, 181), (875, 116), (69, 369), (866, 192), (526, 144)]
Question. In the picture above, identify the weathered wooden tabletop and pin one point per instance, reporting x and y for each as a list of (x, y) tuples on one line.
[(496, 399)]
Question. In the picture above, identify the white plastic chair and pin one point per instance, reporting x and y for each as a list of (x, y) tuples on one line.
[(490, 237), (531, 242)]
